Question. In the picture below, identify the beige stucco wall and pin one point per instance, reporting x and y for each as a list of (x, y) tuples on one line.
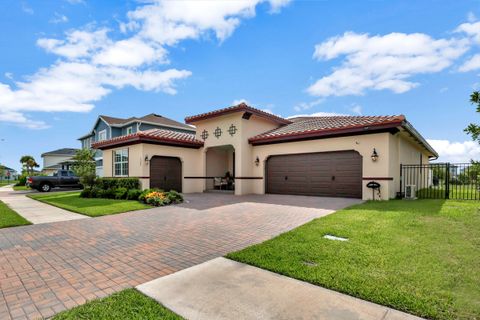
[(393, 150), (191, 163), (363, 144), (243, 150), (404, 150)]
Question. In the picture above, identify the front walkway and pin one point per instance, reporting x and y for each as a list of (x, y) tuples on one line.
[(35, 211), (223, 289), (47, 268)]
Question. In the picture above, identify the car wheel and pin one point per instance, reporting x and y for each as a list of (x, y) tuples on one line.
[(45, 187)]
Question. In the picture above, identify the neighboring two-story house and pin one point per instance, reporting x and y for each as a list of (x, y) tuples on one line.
[(60, 159), (106, 128)]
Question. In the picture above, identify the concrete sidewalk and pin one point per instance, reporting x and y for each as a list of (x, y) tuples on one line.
[(35, 211), (225, 289)]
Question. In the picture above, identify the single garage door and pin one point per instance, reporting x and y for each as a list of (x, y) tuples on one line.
[(331, 174), (166, 173)]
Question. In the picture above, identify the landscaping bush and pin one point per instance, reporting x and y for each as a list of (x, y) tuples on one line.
[(115, 183), (144, 193), (108, 194), (160, 198), (22, 180), (86, 193), (174, 196), (120, 193), (133, 194)]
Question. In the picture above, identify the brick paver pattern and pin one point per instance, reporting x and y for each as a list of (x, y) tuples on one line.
[(48, 268)]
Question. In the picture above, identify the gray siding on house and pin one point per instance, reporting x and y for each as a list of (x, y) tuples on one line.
[(101, 125), (113, 132), (146, 126)]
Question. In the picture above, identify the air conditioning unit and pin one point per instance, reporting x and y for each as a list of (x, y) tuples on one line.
[(410, 191)]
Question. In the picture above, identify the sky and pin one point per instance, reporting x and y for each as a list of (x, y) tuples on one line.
[(64, 62)]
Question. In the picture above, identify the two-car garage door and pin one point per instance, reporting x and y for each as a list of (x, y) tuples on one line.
[(332, 174)]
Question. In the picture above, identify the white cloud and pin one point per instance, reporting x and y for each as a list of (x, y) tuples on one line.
[(303, 106), (168, 22), (472, 64), (77, 44), (26, 8), (92, 64), (59, 18), (472, 29), (356, 109), (318, 114), (451, 151), (471, 17), (20, 120), (382, 62), (132, 52)]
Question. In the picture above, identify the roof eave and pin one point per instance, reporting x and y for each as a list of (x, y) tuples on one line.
[(146, 139), (417, 136), (239, 108), (324, 133)]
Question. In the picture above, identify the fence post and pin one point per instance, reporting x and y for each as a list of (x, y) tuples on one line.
[(401, 181), (447, 180)]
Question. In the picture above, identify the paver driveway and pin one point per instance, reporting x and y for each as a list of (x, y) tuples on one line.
[(47, 268)]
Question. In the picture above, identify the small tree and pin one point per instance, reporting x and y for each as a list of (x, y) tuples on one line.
[(28, 162), (84, 167), (474, 129)]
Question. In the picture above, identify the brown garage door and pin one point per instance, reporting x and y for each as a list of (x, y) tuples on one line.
[(332, 174), (166, 173)]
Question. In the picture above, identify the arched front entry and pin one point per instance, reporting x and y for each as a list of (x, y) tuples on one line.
[(166, 173), (331, 174)]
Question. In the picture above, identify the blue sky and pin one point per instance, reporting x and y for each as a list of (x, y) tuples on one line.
[(65, 62)]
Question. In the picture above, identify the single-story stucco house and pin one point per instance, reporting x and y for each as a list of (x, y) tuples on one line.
[(250, 151)]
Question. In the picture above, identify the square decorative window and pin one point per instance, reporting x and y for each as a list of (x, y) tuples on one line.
[(232, 130), (217, 133), (129, 130), (102, 135), (204, 135), (120, 163)]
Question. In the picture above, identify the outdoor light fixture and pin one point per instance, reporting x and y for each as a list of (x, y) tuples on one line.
[(146, 159), (374, 155), (257, 161)]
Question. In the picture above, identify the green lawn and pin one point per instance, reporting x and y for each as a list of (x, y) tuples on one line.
[(21, 188), (6, 183), (9, 218), (87, 206), (422, 257), (457, 192), (126, 304)]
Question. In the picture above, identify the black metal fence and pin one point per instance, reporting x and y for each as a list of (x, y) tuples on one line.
[(442, 180)]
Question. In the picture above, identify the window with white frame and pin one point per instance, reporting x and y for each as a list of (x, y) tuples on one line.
[(102, 135), (129, 130), (120, 163)]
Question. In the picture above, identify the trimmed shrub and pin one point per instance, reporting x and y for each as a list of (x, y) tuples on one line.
[(120, 193), (22, 180), (133, 194), (86, 193), (174, 196), (115, 183), (108, 194)]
